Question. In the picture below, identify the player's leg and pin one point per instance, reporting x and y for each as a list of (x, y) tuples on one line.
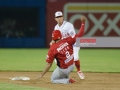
[(77, 61), (61, 75)]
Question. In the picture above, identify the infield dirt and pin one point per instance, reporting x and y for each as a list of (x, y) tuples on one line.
[(92, 81)]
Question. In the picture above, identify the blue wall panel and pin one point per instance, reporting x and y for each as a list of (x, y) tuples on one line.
[(34, 42), (26, 42), (13, 42), (1, 42)]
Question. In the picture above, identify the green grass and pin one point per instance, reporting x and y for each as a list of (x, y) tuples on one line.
[(92, 60), (9, 86), (22, 59), (100, 60)]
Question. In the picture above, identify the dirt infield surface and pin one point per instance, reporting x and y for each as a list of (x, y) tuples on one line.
[(93, 81)]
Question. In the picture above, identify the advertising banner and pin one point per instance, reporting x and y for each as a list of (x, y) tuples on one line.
[(103, 19), (98, 42)]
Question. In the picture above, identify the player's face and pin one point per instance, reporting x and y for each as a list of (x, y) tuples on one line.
[(59, 19)]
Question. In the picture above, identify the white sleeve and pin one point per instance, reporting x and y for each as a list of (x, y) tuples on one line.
[(55, 28), (71, 30)]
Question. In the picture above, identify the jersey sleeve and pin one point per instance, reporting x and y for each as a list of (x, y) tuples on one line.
[(81, 31), (50, 56), (71, 30), (71, 40), (55, 28)]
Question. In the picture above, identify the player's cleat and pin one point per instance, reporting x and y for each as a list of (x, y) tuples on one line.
[(72, 80), (81, 75)]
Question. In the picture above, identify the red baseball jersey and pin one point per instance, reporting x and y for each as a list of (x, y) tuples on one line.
[(62, 51)]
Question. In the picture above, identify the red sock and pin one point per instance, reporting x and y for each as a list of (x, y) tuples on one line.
[(77, 64)]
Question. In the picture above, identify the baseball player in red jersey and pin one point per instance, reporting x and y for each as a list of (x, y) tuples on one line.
[(67, 29), (62, 51)]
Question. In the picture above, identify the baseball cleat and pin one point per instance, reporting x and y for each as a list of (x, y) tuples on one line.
[(81, 75)]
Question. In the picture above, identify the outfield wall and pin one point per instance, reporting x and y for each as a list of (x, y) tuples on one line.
[(29, 23), (103, 19)]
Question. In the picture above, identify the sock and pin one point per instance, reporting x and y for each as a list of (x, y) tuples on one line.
[(77, 64)]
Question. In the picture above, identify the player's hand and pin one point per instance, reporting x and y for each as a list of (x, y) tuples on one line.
[(35, 80), (83, 18), (39, 77), (51, 42)]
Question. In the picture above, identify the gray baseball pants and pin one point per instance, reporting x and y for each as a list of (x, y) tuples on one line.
[(60, 75)]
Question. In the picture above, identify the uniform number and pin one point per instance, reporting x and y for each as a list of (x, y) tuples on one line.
[(67, 54)]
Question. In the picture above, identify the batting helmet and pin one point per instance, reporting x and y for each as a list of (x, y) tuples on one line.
[(56, 34)]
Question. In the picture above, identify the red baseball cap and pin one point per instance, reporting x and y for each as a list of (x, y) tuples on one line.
[(56, 35)]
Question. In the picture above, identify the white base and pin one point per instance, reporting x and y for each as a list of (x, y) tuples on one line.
[(20, 78)]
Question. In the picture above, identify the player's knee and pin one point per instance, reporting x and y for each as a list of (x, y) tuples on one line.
[(76, 49), (52, 80), (76, 58)]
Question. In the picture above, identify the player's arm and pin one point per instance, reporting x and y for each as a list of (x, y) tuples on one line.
[(49, 60), (81, 31), (46, 69), (52, 42)]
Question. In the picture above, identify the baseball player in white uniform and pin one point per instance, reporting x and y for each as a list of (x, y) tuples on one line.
[(67, 29)]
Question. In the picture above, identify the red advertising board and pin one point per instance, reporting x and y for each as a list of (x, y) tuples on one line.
[(103, 19)]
